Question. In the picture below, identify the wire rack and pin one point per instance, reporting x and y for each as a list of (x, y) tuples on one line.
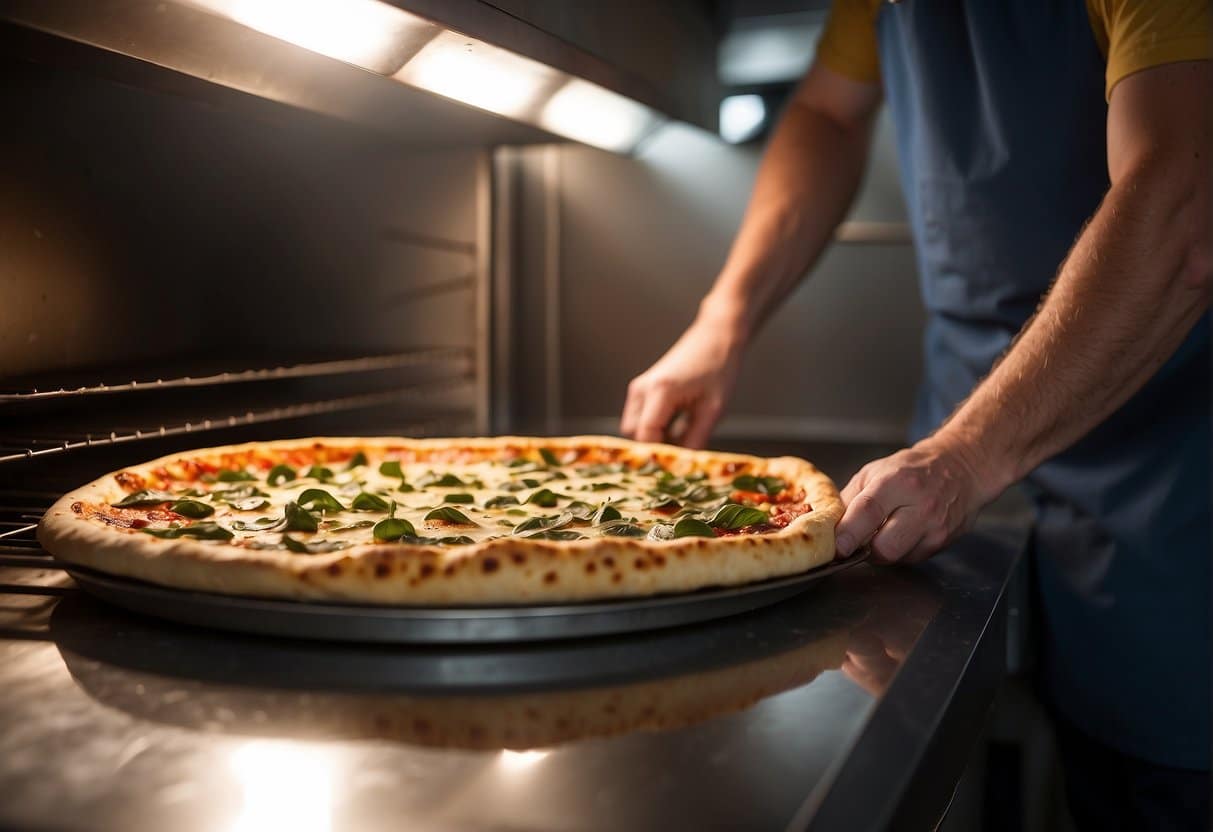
[(50, 420), (16, 448), (20, 512), (460, 356)]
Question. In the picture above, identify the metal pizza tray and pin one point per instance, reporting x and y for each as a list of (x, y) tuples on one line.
[(441, 625)]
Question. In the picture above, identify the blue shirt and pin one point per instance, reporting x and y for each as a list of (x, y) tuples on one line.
[(1001, 123)]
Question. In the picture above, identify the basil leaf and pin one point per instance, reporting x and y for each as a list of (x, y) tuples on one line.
[(666, 505), (734, 516), (261, 524), (356, 460), (761, 485), (446, 514), (145, 498), (459, 498), (531, 524), (319, 472), (691, 527), (670, 484), (199, 531), (518, 462), (556, 534), (393, 528), (662, 531), (543, 497), (520, 485), (695, 476), (299, 519), (391, 468), (554, 521), (701, 494), (604, 486), (444, 481), (581, 510), (598, 469), (316, 547), (549, 458), (501, 501), (624, 530), (280, 474), (649, 468), (192, 508), (234, 476), (349, 527), (321, 500), (517, 512), (369, 502), (240, 492), (251, 504), (606, 513)]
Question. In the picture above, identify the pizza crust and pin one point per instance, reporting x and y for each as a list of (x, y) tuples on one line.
[(501, 571)]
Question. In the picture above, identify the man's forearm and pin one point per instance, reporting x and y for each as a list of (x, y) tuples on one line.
[(1133, 286), (808, 177)]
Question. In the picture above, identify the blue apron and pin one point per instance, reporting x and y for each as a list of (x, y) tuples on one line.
[(1000, 116)]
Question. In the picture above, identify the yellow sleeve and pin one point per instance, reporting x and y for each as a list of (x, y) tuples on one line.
[(1138, 34), (848, 42)]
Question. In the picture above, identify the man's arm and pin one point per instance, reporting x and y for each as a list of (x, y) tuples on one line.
[(808, 177), (1132, 288)]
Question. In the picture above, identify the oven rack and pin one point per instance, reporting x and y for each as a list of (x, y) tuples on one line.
[(430, 392), (462, 357)]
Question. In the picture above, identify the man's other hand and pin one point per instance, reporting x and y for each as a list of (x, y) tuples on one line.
[(693, 379), (910, 505)]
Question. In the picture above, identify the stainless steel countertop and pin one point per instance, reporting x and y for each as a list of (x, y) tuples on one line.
[(842, 708)]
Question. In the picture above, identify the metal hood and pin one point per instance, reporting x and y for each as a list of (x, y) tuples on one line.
[(424, 72)]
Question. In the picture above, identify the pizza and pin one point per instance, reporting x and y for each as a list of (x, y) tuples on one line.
[(506, 520)]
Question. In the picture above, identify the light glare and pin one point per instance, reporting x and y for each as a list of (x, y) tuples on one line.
[(284, 788), (365, 33), (741, 117), (476, 73), (588, 113), (521, 760)]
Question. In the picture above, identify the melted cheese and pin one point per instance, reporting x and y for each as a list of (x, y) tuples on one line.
[(629, 493)]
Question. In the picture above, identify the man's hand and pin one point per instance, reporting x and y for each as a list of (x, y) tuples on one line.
[(913, 503), (809, 174), (694, 378)]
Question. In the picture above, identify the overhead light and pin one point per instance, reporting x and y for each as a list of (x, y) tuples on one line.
[(479, 74), (741, 117), (365, 33), (588, 113), (390, 41)]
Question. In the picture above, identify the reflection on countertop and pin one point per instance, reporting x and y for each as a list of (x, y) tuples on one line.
[(118, 721), (486, 698)]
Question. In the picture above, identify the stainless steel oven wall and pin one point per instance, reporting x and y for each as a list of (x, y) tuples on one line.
[(147, 235), (612, 254)]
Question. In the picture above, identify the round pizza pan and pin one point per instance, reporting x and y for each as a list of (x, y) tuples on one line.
[(441, 625)]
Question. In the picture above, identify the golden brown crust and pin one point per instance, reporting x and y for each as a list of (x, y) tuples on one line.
[(500, 571)]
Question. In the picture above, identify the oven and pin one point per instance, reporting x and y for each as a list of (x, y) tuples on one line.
[(227, 221)]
